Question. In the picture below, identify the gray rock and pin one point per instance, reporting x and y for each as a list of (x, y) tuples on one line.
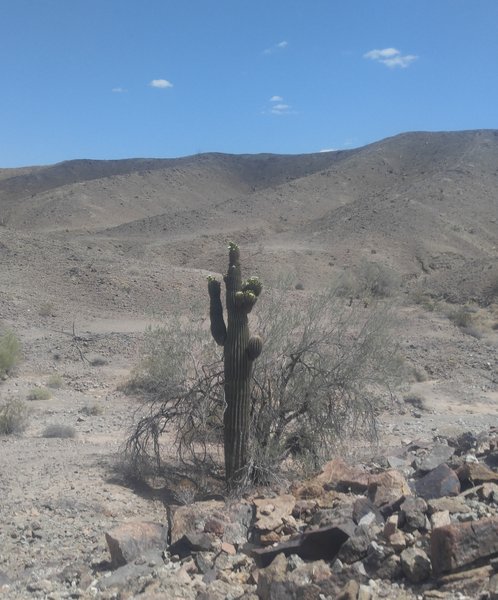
[(441, 481), (355, 548), (416, 565), (437, 455), (130, 540), (413, 512)]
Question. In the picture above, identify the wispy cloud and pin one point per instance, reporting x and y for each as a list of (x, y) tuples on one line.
[(161, 84), (328, 150), (118, 90), (276, 47), (279, 107), (391, 57)]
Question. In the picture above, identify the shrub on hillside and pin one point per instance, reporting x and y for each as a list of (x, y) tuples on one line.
[(56, 430), (39, 393), (13, 417), (10, 352)]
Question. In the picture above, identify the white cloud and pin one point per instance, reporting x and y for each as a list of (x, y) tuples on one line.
[(276, 99), (281, 109), (328, 150), (118, 90), (391, 57), (276, 47), (161, 84)]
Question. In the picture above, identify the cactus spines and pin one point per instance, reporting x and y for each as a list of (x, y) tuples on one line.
[(239, 353)]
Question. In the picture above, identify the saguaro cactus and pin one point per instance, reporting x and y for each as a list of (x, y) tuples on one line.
[(240, 351)]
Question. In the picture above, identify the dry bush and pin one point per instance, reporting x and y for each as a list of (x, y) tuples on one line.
[(57, 430), (326, 368), (92, 410), (55, 381), (14, 417), (39, 393), (10, 352)]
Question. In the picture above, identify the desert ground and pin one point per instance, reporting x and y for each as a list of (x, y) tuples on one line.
[(92, 252)]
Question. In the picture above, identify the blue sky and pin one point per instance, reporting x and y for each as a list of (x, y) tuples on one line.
[(160, 78)]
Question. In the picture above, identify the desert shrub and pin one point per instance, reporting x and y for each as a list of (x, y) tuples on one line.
[(57, 430), (461, 317), (39, 393), (377, 279), (10, 352), (416, 401), (92, 410), (14, 417), (55, 381), (326, 369)]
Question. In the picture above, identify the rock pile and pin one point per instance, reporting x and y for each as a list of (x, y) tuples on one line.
[(419, 522)]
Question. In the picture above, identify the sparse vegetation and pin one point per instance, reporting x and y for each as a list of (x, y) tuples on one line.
[(39, 393), (92, 410), (461, 317), (369, 279), (416, 400), (14, 417), (10, 352), (57, 430), (55, 381), (327, 368)]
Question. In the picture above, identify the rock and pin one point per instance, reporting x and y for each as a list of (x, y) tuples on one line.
[(440, 519), (391, 526), (195, 542), (130, 540), (363, 507), (488, 492), (441, 481), (316, 544), (413, 512), (387, 487), (307, 581), (463, 544), (493, 587), (415, 564), (338, 475), (466, 584), (231, 522), (334, 516), (437, 455), (397, 541), (471, 474), (221, 590), (390, 568), (349, 591), (228, 548), (355, 548), (193, 518), (451, 504), (272, 512), (377, 554)]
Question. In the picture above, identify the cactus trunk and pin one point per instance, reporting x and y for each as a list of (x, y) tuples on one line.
[(240, 351)]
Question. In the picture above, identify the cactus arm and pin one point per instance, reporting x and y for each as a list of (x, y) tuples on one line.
[(218, 327), (254, 347)]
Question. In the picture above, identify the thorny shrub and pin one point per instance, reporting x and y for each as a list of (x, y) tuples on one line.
[(327, 366)]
